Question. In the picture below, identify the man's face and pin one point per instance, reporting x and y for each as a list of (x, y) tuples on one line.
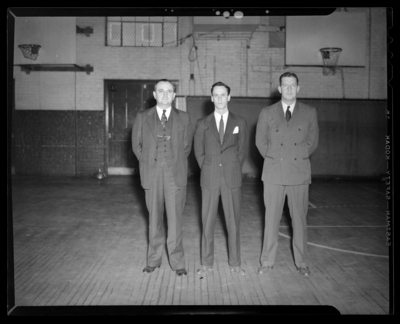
[(289, 89), (164, 94), (220, 97)]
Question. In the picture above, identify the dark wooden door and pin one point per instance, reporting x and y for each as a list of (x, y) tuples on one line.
[(125, 98), (148, 98), (124, 102)]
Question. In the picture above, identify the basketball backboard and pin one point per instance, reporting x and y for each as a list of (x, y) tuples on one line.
[(306, 35), (55, 35)]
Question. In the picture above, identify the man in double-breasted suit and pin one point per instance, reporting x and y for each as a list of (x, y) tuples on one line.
[(161, 140), (220, 147), (286, 136)]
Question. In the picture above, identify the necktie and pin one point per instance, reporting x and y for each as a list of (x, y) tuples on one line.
[(163, 118), (221, 130), (288, 114)]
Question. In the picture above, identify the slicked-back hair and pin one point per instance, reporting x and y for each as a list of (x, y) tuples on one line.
[(164, 80), (220, 84), (288, 75)]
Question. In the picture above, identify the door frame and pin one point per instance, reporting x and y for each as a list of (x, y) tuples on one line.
[(106, 82)]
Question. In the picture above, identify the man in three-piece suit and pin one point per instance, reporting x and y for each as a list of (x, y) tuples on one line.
[(161, 140), (220, 147), (286, 136)]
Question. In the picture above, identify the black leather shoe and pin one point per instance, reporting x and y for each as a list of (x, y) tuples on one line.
[(149, 269), (181, 272)]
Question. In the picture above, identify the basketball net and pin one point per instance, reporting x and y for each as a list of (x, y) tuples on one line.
[(30, 51), (330, 57)]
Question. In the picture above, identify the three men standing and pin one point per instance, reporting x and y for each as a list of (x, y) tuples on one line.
[(286, 136)]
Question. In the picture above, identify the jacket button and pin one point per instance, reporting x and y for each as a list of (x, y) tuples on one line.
[(220, 165), (281, 144), (295, 159)]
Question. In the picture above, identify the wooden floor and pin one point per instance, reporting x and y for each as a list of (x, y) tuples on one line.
[(84, 241)]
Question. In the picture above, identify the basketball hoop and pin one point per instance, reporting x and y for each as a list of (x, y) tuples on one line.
[(330, 57), (30, 51)]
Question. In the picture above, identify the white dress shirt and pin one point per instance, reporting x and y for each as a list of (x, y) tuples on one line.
[(284, 105), (218, 119), (160, 111)]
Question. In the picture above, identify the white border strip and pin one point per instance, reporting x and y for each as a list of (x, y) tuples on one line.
[(323, 226)]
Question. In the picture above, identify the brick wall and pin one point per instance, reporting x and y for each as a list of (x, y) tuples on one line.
[(90, 142), (59, 119), (266, 63), (251, 72), (58, 142), (378, 53)]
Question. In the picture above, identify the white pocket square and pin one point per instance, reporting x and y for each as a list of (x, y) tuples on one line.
[(236, 130)]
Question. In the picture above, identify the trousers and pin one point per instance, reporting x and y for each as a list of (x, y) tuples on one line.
[(231, 202), (274, 199), (165, 195)]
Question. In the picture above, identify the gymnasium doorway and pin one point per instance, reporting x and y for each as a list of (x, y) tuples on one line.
[(123, 100)]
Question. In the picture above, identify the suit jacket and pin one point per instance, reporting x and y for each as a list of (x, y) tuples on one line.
[(144, 145), (287, 146), (212, 157)]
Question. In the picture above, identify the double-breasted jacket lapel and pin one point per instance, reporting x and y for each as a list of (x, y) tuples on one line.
[(294, 121), (278, 114)]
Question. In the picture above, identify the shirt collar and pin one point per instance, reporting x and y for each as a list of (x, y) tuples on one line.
[(167, 111), (284, 105), (218, 116)]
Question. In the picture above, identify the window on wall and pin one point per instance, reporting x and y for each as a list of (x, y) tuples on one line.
[(142, 31)]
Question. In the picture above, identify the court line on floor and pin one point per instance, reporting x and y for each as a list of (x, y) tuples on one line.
[(382, 193), (339, 250), (312, 205)]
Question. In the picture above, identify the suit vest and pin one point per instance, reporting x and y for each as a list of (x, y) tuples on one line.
[(164, 152)]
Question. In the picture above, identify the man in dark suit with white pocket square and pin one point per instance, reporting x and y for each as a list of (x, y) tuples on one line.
[(220, 147)]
